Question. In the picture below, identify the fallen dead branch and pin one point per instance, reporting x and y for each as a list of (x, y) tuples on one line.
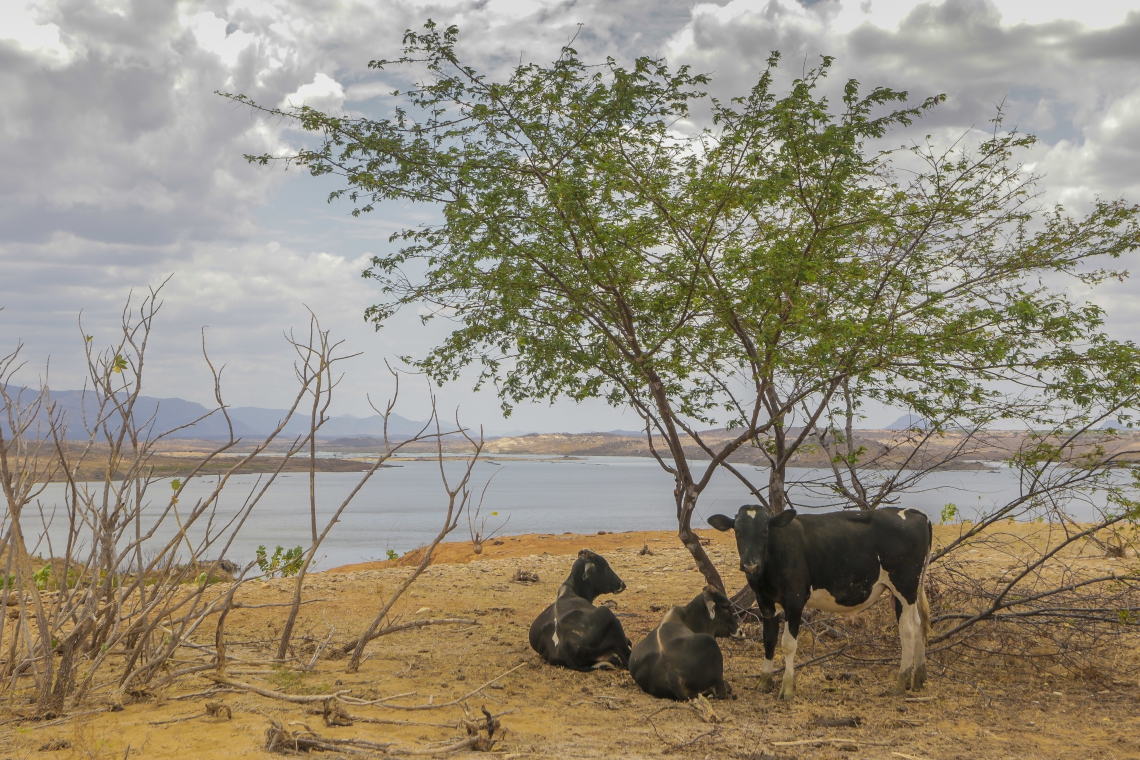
[(398, 722), (483, 735), (673, 747), (853, 722), (602, 698), (351, 645), (280, 739), (459, 746), (64, 719), (430, 706), (213, 710), (699, 705), (694, 740), (302, 699), (832, 740), (241, 606), (177, 720), (361, 702)]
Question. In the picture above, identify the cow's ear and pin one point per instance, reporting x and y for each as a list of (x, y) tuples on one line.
[(722, 522), (711, 605), (784, 518)]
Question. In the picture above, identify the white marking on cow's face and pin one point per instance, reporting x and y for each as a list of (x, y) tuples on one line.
[(589, 569), (902, 514), (752, 513), (554, 638), (750, 569), (712, 608)]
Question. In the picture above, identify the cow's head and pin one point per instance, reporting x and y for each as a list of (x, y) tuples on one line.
[(752, 526), (592, 576), (712, 613)]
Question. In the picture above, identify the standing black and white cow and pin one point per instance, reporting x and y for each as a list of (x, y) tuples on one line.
[(680, 658), (838, 562), (574, 633)]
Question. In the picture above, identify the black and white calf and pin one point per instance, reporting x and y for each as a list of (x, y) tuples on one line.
[(573, 632), (680, 659), (838, 562)]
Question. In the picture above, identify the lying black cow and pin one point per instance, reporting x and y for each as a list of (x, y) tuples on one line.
[(680, 659), (573, 632), (839, 562)]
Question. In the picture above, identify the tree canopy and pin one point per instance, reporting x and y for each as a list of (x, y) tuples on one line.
[(770, 272)]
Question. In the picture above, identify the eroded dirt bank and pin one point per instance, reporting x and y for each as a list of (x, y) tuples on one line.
[(981, 713)]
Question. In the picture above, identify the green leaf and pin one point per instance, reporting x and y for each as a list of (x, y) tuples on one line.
[(949, 512), (42, 576)]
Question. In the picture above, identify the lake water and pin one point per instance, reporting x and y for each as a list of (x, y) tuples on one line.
[(401, 508)]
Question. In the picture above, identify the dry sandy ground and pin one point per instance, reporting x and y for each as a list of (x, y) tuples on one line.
[(557, 713)]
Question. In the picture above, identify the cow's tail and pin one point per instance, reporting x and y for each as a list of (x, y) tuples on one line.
[(923, 604)]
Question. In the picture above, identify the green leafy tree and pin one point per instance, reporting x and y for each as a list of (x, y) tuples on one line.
[(767, 275)]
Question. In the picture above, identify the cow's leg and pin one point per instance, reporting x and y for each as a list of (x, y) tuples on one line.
[(606, 646), (919, 656), (910, 632), (791, 636), (771, 635)]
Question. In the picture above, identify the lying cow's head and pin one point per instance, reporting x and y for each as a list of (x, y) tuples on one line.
[(752, 525), (711, 612), (592, 576)]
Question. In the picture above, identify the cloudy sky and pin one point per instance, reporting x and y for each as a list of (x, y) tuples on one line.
[(120, 166)]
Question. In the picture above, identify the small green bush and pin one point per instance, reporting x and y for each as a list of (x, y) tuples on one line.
[(283, 563)]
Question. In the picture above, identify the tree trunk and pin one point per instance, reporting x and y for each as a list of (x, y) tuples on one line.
[(692, 541), (777, 502), (295, 608), (744, 598)]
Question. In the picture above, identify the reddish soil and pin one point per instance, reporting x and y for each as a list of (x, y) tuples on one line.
[(987, 712)]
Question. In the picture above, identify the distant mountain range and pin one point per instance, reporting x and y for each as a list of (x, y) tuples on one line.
[(253, 421), (248, 421)]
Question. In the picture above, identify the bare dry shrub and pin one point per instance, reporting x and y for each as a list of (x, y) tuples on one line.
[(121, 604)]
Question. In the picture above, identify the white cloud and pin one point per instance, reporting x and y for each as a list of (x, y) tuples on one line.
[(24, 25), (217, 35), (122, 165), (323, 93)]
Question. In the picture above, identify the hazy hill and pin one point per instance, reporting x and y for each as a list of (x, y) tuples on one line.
[(165, 414)]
